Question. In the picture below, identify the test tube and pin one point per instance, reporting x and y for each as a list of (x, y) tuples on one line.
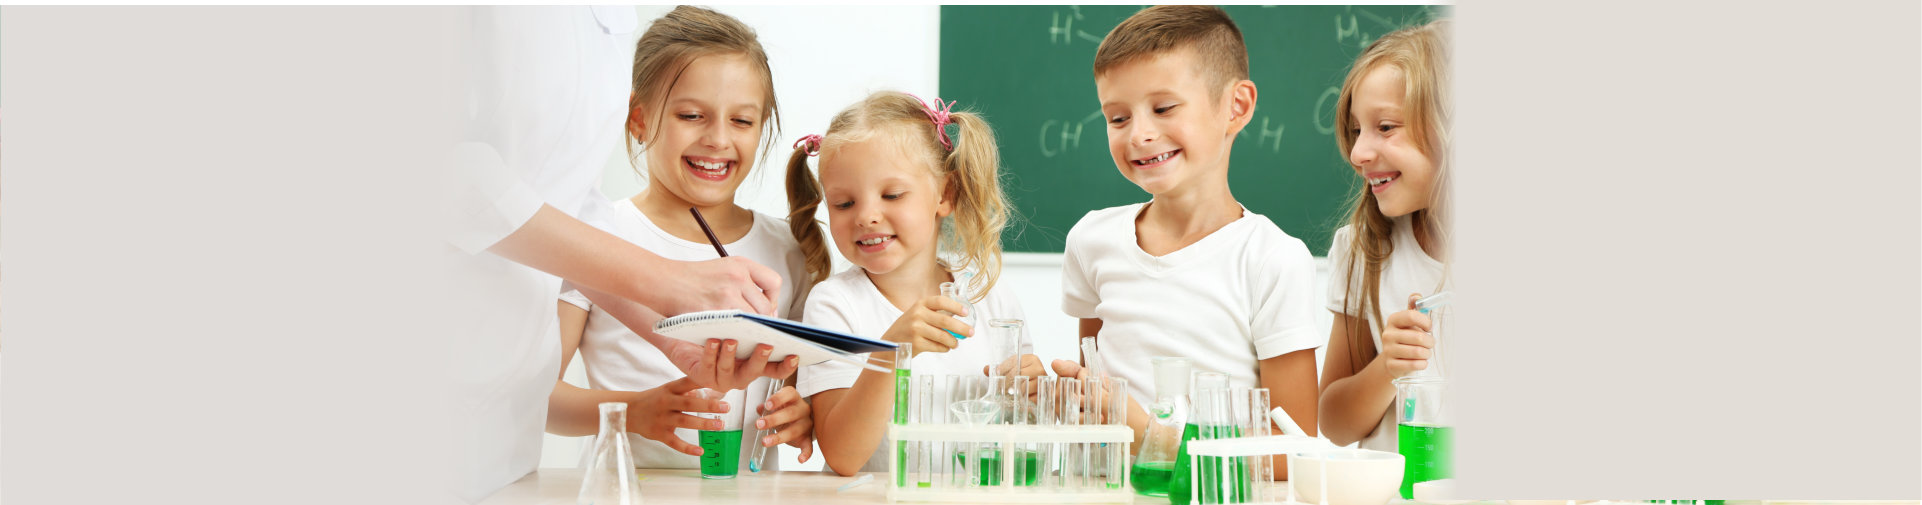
[(1044, 403), (994, 461), (1093, 412), (924, 414), (949, 451), (1261, 468), (903, 381), (1074, 456), (1117, 404), (1024, 453)]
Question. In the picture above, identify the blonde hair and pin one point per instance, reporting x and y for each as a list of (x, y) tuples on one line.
[(972, 234), (672, 42), (1164, 28), (1421, 52)]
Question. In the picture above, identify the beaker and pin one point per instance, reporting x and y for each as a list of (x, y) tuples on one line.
[(721, 449), (953, 292), (609, 477), (1424, 434), (1155, 465), (1006, 337)]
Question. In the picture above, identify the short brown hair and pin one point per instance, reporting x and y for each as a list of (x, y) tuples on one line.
[(1163, 28)]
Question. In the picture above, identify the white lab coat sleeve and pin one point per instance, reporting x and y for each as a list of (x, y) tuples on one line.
[(490, 202)]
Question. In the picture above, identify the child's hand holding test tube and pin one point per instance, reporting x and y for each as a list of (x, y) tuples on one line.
[(1408, 344)]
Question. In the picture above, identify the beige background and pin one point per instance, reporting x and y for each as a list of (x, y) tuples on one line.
[(1688, 237)]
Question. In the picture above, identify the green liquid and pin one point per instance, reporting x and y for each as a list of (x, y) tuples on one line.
[(1027, 467), (1429, 451), (901, 379), (1180, 488), (1151, 479), (720, 454)]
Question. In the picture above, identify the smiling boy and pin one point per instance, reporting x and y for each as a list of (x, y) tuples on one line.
[(1191, 272)]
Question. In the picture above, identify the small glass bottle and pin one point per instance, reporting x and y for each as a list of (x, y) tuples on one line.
[(609, 477), (953, 292)]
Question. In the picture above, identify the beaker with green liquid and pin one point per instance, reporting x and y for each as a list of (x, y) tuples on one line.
[(1154, 466), (1423, 433)]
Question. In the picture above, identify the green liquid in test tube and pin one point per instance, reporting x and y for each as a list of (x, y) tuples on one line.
[(903, 356)]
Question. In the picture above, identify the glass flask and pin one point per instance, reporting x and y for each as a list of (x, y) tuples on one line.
[(1154, 467), (609, 477)]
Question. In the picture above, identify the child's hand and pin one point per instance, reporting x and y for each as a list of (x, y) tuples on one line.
[(792, 420), (1406, 344), (1065, 368), (1070, 369), (713, 366), (923, 325), (1026, 364), (659, 411)]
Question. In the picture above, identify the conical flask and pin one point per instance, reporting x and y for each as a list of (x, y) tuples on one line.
[(1155, 465), (953, 292), (609, 477)]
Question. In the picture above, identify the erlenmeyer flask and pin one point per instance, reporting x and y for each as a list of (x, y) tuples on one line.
[(609, 477), (953, 292), (1155, 465)]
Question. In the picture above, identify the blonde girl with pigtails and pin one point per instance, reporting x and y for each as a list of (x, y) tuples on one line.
[(912, 205)]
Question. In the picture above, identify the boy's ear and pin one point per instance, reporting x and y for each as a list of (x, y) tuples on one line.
[(1241, 105)]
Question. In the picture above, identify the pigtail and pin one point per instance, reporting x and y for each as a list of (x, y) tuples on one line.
[(804, 196), (981, 210)]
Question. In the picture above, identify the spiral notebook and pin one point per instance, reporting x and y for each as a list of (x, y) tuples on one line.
[(789, 338)]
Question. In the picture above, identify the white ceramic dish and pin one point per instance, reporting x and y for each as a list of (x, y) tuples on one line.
[(1356, 476)]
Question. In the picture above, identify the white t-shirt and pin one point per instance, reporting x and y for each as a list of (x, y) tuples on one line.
[(1242, 294), (1408, 270), (616, 359), (547, 96), (849, 302)]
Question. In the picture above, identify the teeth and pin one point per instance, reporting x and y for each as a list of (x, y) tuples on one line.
[(875, 240), (710, 166), (1158, 159), (1380, 181)]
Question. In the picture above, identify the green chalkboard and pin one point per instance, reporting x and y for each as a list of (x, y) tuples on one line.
[(1029, 69)]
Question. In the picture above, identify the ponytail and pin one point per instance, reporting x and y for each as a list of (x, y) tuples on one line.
[(803, 197), (981, 211)]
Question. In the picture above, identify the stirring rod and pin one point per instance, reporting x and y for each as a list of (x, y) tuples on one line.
[(760, 451)]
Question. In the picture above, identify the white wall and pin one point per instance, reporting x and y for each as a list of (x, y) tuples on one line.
[(825, 58)]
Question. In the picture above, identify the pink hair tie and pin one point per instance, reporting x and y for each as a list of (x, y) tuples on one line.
[(940, 118), (813, 143)]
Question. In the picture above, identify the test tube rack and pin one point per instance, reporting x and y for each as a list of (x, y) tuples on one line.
[(1007, 437)]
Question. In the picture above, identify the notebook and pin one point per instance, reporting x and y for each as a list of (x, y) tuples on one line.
[(789, 338)]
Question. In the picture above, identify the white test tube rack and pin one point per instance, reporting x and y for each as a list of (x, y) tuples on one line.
[(1007, 436), (1256, 446)]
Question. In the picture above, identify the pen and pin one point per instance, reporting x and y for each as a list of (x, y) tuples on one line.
[(711, 239)]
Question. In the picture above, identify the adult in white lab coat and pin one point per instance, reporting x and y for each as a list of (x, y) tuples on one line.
[(547, 98)]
